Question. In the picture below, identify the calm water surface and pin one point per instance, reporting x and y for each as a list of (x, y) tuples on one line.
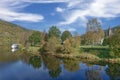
[(16, 66)]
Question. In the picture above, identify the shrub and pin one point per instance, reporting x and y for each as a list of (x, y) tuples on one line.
[(51, 46)]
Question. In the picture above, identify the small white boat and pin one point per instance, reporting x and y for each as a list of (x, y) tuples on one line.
[(15, 46)]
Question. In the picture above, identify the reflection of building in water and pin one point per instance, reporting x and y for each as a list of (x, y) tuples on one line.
[(13, 50), (14, 47), (94, 74)]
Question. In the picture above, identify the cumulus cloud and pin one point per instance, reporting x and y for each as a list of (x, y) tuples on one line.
[(80, 10)]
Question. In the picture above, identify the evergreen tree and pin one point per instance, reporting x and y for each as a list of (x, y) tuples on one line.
[(35, 38), (54, 32), (65, 35)]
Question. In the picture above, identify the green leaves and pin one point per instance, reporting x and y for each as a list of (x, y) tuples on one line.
[(35, 38), (114, 44), (54, 32), (65, 35)]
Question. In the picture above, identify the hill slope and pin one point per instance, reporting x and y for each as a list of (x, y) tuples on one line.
[(11, 33)]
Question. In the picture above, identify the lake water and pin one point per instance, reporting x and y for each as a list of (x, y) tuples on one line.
[(17, 66)]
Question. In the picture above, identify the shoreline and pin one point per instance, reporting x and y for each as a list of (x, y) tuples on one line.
[(77, 56), (87, 57)]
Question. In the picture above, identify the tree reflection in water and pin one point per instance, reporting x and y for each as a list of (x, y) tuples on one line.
[(53, 64), (71, 65), (93, 74), (92, 71), (55, 73), (35, 61), (114, 71)]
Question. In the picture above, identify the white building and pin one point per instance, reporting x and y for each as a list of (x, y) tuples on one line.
[(14, 46)]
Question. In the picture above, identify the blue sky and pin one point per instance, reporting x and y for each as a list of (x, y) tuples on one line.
[(69, 15)]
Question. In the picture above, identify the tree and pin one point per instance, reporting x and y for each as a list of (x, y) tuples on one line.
[(106, 41), (51, 45), (35, 38), (93, 25), (71, 44), (94, 34), (65, 35), (114, 44), (101, 35), (68, 46), (89, 38), (24, 38), (54, 32)]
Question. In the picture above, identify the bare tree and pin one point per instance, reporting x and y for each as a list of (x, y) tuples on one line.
[(95, 33)]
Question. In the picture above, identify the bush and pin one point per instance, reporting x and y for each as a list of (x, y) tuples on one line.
[(115, 46), (51, 46), (70, 45)]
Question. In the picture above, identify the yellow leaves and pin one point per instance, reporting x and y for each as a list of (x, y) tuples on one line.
[(71, 44), (52, 44)]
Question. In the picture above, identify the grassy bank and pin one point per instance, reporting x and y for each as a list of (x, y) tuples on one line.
[(87, 57), (90, 54), (100, 51), (32, 50)]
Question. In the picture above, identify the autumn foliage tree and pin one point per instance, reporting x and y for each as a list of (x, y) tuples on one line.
[(94, 34), (71, 44), (51, 45)]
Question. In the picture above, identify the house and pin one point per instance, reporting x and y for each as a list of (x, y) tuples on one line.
[(15, 46)]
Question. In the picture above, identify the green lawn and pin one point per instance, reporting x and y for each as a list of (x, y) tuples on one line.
[(100, 51), (89, 46), (31, 49)]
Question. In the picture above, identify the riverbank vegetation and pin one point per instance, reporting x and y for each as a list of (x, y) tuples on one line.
[(94, 45)]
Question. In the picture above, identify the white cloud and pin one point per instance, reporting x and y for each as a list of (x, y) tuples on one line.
[(75, 11), (10, 10), (94, 8), (72, 29), (68, 29), (74, 3), (15, 16), (47, 1), (58, 9)]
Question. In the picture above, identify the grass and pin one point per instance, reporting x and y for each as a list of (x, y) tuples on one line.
[(91, 54), (30, 49), (100, 51), (90, 46)]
